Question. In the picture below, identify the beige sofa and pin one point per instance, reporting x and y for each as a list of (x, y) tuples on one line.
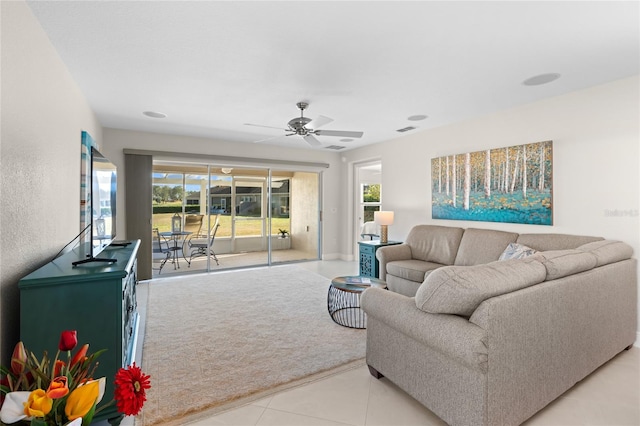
[(482, 341)]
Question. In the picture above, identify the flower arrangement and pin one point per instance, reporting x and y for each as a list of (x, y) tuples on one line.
[(283, 233), (56, 393)]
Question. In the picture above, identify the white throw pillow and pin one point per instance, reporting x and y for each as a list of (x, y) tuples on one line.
[(516, 251)]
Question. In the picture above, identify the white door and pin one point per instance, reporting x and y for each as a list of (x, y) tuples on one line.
[(368, 197)]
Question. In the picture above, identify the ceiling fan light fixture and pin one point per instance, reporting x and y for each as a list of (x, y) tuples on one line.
[(299, 122), (226, 170), (417, 117)]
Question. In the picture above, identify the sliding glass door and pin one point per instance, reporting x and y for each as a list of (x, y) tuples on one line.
[(248, 240), (249, 216)]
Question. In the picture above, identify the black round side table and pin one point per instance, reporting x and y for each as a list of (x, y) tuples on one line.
[(343, 300)]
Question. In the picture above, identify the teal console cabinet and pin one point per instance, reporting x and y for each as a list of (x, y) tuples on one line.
[(96, 299), (369, 265)]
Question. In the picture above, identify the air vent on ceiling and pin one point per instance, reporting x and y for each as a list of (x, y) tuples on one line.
[(405, 129), (335, 147)]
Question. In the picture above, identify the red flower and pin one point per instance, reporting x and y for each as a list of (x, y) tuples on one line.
[(68, 340), (57, 367), (18, 359), (130, 385), (80, 356)]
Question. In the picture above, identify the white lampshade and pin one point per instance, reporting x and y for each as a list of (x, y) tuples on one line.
[(383, 217)]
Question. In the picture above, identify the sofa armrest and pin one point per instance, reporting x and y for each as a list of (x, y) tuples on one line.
[(451, 335), (389, 254)]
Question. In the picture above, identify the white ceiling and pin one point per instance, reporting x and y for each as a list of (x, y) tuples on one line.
[(213, 66)]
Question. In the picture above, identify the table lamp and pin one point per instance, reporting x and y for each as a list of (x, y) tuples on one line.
[(384, 219)]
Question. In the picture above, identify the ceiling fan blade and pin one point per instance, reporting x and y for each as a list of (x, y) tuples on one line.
[(311, 140), (343, 133), (320, 121), (268, 139), (260, 125)]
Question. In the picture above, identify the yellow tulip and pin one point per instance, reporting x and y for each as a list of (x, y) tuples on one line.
[(38, 404), (81, 400)]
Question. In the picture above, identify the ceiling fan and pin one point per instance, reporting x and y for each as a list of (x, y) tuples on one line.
[(297, 126)]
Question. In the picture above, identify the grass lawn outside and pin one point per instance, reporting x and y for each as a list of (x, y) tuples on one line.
[(246, 226)]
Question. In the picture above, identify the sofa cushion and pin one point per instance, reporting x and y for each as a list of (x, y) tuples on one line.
[(460, 289), (438, 244), (402, 286), (479, 246), (560, 263), (516, 251), (543, 242), (412, 270), (608, 251)]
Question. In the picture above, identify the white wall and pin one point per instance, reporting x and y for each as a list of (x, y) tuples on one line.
[(333, 210), (304, 201), (596, 158), (43, 114)]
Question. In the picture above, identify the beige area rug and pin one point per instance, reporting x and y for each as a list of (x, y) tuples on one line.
[(217, 340)]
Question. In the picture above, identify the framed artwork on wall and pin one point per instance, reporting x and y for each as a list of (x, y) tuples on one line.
[(512, 184)]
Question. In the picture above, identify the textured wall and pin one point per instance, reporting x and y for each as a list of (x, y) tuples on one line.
[(43, 114)]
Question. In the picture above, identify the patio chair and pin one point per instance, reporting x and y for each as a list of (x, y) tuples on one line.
[(200, 247), (192, 224), (161, 246)]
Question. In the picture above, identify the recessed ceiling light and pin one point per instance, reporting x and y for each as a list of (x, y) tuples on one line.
[(155, 114), (417, 117), (537, 80), (346, 140)]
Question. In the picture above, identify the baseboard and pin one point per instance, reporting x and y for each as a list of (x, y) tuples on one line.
[(331, 256), (338, 256)]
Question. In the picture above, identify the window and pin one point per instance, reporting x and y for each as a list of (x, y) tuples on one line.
[(370, 199)]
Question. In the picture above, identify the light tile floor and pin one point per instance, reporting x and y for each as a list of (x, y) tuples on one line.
[(608, 397)]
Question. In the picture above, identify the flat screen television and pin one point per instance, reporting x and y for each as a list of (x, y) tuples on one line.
[(103, 206)]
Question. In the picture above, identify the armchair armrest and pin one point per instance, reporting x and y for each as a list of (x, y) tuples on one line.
[(389, 254)]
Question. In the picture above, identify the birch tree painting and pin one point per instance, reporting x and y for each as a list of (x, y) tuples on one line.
[(511, 184)]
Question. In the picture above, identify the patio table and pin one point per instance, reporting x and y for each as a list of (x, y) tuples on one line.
[(175, 237)]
